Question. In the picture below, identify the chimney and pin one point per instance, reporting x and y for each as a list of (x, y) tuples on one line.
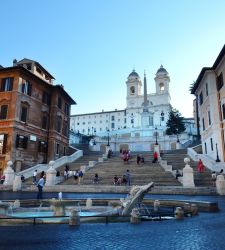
[(14, 62)]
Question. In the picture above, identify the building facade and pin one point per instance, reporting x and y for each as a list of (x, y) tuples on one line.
[(34, 116), (143, 111), (209, 90)]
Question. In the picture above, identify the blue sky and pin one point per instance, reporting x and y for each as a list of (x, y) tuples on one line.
[(91, 46)]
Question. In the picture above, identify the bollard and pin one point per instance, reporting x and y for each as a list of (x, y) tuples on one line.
[(194, 209), (179, 213), (74, 218), (156, 205), (135, 218)]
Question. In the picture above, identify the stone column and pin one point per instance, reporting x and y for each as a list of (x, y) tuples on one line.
[(74, 218), (220, 185), (17, 183), (51, 175), (9, 174), (188, 176)]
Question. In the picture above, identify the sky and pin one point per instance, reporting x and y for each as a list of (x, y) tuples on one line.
[(91, 46)]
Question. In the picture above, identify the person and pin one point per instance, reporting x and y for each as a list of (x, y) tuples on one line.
[(75, 176), (127, 174), (22, 178), (2, 179), (80, 176), (96, 179), (200, 166), (35, 177), (214, 178), (66, 174), (57, 173), (40, 186), (177, 174), (142, 159), (124, 180), (138, 159), (155, 157), (115, 180)]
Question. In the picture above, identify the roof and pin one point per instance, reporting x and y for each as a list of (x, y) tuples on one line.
[(40, 79), (38, 64), (98, 113), (133, 73), (204, 69), (161, 70)]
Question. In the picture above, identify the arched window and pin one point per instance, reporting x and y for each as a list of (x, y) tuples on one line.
[(132, 90), (161, 86)]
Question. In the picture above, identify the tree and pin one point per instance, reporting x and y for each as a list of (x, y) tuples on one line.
[(175, 124)]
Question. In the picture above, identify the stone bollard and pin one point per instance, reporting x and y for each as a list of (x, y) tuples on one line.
[(89, 203), (188, 176), (194, 209), (220, 185), (17, 183), (9, 174), (74, 218), (187, 207), (179, 213), (135, 218), (51, 175), (156, 205)]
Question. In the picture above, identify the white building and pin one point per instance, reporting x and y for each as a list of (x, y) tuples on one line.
[(209, 90), (144, 117)]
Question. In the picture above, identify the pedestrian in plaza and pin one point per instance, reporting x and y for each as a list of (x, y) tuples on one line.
[(127, 174), (214, 178), (35, 177), (80, 176), (200, 166), (138, 159), (155, 157), (40, 186)]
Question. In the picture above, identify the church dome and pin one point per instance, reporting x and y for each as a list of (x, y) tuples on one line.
[(134, 74), (161, 71)]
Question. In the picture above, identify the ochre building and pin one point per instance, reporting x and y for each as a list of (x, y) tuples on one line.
[(34, 116)]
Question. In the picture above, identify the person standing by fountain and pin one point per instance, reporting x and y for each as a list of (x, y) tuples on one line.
[(35, 177), (127, 174), (40, 185)]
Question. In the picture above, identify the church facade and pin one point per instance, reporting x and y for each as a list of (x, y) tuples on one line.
[(143, 111)]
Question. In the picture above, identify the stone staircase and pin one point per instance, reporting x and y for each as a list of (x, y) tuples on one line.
[(140, 174), (176, 159)]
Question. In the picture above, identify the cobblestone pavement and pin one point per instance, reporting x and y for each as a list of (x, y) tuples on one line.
[(203, 232)]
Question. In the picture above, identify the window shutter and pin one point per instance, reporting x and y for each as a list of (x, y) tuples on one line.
[(17, 141), (11, 84), (29, 89), (25, 139), (4, 144)]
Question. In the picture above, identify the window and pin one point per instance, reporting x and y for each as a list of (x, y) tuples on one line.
[(3, 143), (21, 141), (206, 89), (223, 110), (205, 148), (211, 141), (3, 112), (44, 122), (57, 148), (201, 98), (112, 118), (203, 124), (209, 118), (23, 114), (161, 86), (7, 84), (42, 146), (58, 123), (38, 70), (132, 90), (112, 125), (219, 81), (65, 128), (26, 87), (67, 109), (59, 102), (64, 150), (46, 98)]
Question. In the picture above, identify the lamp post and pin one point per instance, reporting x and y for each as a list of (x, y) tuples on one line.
[(156, 135), (217, 155), (108, 138)]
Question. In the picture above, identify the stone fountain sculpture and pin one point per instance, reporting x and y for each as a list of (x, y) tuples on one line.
[(136, 196)]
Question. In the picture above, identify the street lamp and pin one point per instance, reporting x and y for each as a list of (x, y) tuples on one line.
[(156, 134), (217, 155), (108, 138)]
